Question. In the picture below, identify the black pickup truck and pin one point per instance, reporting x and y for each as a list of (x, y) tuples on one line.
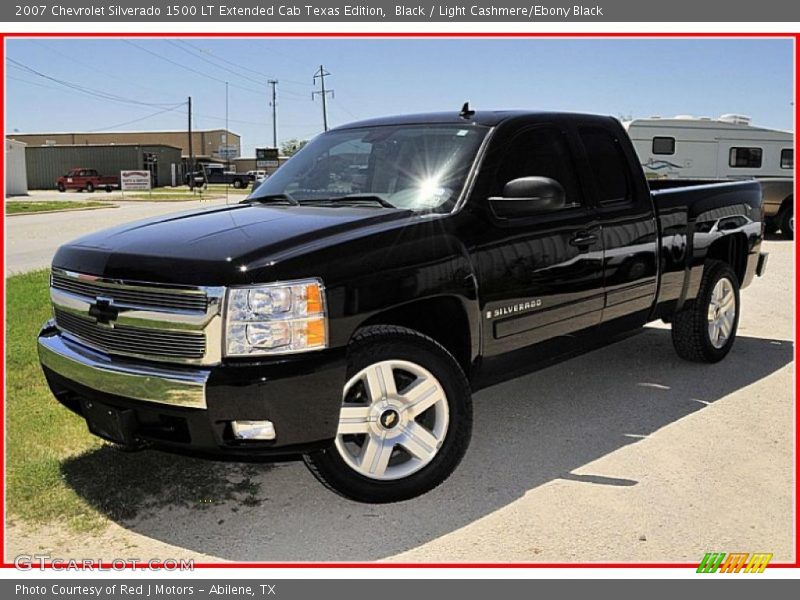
[(218, 174), (346, 310)]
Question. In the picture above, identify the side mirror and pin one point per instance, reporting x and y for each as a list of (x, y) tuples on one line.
[(527, 196)]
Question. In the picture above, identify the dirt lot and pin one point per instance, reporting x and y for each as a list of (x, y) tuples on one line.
[(623, 454)]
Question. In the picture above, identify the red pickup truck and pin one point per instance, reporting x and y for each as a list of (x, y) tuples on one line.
[(86, 179)]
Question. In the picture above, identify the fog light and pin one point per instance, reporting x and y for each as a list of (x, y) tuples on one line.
[(253, 430)]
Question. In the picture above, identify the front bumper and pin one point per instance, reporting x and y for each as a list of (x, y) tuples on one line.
[(190, 409)]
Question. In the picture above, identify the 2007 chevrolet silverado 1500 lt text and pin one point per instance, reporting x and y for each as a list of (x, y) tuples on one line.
[(346, 311)]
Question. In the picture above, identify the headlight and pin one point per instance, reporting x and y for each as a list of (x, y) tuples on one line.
[(277, 318)]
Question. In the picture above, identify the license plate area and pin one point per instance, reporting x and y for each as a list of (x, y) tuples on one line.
[(109, 423)]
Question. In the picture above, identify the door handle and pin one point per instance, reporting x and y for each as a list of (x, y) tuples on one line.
[(583, 239)]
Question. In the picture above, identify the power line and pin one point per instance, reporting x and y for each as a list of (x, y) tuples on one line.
[(227, 70), (175, 108), (160, 112), (338, 104), (88, 65), (193, 70), (260, 74), (198, 54), (79, 88)]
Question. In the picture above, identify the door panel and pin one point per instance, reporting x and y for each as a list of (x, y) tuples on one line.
[(540, 276), (627, 220)]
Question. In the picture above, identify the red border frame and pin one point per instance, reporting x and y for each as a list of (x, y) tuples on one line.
[(257, 565)]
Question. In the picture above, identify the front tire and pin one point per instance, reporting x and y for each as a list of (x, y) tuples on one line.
[(705, 329), (406, 418), (90, 187), (61, 188)]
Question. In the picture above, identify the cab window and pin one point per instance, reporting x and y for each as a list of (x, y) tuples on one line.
[(608, 165), (540, 152)]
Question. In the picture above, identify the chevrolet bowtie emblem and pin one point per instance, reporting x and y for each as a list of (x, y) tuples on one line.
[(104, 311)]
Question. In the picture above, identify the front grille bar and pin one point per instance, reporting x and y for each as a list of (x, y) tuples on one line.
[(180, 324)]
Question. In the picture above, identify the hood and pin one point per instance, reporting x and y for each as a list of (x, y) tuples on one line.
[(215, 247)]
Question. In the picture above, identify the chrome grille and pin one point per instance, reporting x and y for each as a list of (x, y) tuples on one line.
[(133, 340), (175, 323), (131, 295)]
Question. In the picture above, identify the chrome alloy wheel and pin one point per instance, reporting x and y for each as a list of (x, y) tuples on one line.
[(393, 420), (721, 313)]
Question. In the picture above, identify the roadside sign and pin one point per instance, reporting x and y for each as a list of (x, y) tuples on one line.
[(134, 181), (266, 157), (228, 151)]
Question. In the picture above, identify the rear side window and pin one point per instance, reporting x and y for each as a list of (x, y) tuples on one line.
[(663, 145), (787, 158), (745, 158), (608, 164), (542, 152)]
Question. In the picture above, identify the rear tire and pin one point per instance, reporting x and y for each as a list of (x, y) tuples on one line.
[(705, 329), (787, 223), (238, 184), (400, 440), (771, 225), (90, 187)]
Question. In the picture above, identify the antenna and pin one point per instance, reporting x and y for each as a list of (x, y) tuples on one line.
[(466, 111)]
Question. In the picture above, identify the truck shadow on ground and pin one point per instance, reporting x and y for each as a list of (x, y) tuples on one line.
[(528, 431), (776, 237)]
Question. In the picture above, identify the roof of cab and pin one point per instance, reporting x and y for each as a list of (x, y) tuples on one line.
[(487, 118)]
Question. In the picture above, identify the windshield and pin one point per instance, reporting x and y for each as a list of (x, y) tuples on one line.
[(417, 167)]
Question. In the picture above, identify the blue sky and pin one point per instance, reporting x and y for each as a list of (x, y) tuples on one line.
[(380, 77)]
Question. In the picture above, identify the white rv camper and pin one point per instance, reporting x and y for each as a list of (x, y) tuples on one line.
[(729, 147)]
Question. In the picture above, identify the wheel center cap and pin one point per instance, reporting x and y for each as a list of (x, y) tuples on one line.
[(389, 418)]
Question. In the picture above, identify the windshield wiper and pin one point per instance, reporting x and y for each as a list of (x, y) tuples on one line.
[(353, 199), (274, 198)]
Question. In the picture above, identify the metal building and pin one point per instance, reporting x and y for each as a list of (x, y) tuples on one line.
[(46, 163), (214, 144), (16, 174)]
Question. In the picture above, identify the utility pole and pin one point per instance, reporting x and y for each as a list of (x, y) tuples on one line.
[(227, 141), (322, 74), (191, 153), (274, 104)]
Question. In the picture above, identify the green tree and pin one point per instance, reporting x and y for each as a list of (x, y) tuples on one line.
[(289, 147)]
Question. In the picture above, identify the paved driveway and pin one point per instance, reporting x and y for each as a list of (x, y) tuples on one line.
[(31, 239)]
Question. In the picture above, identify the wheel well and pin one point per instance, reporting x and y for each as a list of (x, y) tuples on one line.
[(731, 249), (443, 319)]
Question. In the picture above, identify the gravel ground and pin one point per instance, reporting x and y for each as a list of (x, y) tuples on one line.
[(623, 454)]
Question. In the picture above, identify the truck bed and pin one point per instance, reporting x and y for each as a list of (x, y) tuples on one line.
[(691, 216)]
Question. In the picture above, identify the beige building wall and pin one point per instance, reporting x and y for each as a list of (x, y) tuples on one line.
[(206, 142)]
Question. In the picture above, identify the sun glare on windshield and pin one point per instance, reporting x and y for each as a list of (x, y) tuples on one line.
[(415, 167)]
